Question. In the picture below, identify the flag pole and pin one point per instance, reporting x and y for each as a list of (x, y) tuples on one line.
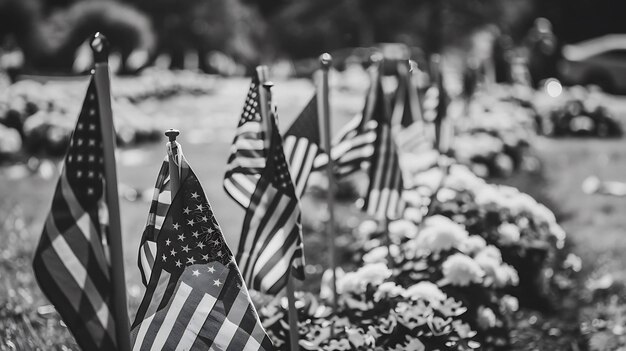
[(172, 156), (100, 48), (324, 114), (265, 97)]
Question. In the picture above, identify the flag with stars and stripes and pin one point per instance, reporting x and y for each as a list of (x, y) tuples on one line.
[(302, 145), (72, 261), (351, 148), (161, 200), (258, 178), (248, 152), (383, 198), (196, 298)]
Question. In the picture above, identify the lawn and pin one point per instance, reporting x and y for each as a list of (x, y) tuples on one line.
[(594, 223)]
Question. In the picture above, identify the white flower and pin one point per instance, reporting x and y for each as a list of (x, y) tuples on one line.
[(425, 290), (356, 282), (358, 338), (463, 329), (413, 197), (413, 214), (559, 234), (388, 290), (430, 178), (509, 303), (486, 318), (367, 228), (440, 233), (461, 270), (402, 229), (509, 233), (473, 244), (377, 255), (488, 196), (492, 252), (460, 178), (445, 195)]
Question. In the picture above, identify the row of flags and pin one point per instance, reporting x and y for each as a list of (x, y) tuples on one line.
[(196, 287)]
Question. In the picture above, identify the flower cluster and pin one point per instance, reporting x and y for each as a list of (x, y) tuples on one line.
[(375, 313)]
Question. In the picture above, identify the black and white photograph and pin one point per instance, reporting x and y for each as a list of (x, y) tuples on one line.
[(298, 175)]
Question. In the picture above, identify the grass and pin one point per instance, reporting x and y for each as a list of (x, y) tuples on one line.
[(595, 223)]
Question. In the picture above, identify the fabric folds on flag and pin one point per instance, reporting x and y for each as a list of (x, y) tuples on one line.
[(302, 145), (383, 198), (71, 263), (159, 205), (258, 178), (248, 152), (196, 298)]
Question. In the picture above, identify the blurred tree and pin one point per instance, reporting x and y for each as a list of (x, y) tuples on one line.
[(306, 28), (66, 29), (200, 26), (18, 23)]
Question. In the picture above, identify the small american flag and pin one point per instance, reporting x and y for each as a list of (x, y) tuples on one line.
[(413, 134), (196, 298), (161, 200), (351, 148), (258, 178), (248, 152), (383, 199), (302, 145), (71, 262)]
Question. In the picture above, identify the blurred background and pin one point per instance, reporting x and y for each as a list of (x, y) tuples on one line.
[(231, 37)]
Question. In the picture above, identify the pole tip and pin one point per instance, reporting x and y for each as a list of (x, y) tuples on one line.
[(172, 134), (100, 47), (413, 66), (376, 58), (326, 60)]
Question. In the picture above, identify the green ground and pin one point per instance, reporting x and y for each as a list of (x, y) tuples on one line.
[(594, 223)]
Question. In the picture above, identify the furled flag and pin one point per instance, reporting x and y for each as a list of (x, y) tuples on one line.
[(302, 145), (413, 134), (196, 298), (161, 200), (258, 178), (71, 262), (383, 198)]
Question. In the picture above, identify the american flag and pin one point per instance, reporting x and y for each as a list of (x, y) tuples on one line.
[(248, 152), (383, 199), (414, 135), (196, 298), (302, 145), (71, 262), (351, 148), (258, 178), (161, 200)]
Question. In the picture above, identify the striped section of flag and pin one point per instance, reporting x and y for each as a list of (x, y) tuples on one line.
[(196, 298), (161, 200), (353, 146), (248, 152), (383, 199), (270, 243), (302, 145), (71, 262), (272, 235)]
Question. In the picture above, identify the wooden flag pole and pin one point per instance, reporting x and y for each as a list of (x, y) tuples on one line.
[(324, 120), (174, 165), (265, 97), (100, 47)]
